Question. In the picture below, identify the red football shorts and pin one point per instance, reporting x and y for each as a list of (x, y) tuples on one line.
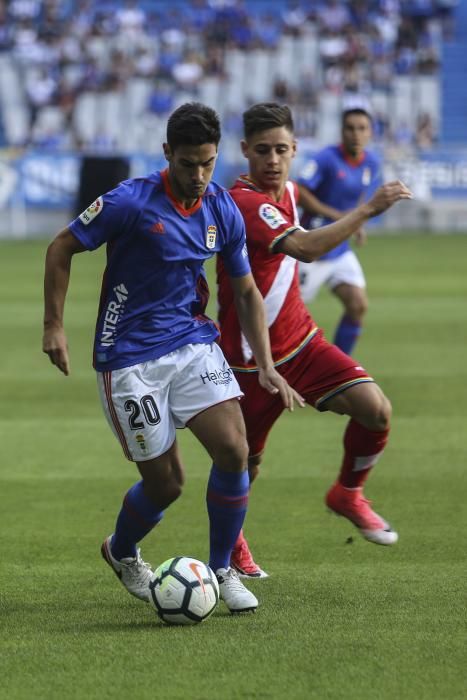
[(318, 372)]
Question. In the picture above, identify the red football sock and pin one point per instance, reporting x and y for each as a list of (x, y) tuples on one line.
[(362, 449)]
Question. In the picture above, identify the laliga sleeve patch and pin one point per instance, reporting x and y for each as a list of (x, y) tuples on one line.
[(92, 211), (271, 216), (309, 170)]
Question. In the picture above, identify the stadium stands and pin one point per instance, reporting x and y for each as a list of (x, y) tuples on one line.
[(454, 86), (104, 75)]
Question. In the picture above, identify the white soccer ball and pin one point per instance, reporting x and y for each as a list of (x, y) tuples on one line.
[(184, 591)]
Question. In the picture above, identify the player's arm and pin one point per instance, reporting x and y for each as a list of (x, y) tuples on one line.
[(312, 205), (310, 245), (56, 279), (251, 314)]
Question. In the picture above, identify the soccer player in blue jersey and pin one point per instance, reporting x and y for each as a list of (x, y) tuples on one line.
[(158, 365), (338, 179)]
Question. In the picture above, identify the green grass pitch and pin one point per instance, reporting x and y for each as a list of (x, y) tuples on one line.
[(337, 620)]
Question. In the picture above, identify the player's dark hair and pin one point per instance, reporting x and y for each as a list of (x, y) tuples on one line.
[(266, 115), (193, 124), (355, 110)]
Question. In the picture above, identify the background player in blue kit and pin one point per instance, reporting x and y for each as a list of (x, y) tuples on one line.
[(338, 179), (158, 365)]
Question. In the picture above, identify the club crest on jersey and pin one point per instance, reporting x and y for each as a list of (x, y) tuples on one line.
[(92, 211), (271, 216), (366, 176), (211, 235)]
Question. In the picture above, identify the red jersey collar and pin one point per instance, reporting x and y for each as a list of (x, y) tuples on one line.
[(354, 162), (246, 180)]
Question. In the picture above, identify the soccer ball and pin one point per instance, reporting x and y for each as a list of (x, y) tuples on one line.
[(184, 591)]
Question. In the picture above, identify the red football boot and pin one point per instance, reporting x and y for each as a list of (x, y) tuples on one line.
[(352, 504), (242, 560)]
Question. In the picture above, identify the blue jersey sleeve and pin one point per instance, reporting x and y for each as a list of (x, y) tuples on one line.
[(107, 217), (314, 171), (234, 252)]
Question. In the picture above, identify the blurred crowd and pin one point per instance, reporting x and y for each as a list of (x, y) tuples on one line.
[(63, 47)]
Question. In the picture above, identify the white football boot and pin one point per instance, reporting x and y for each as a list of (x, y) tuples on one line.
[(134, 573), (234, 594)]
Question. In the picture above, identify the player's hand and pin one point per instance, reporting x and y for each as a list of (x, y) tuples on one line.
[(54, 344), (273, 382), (360, 237), (387, 195)]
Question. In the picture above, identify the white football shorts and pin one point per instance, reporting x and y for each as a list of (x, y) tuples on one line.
[(145, 404), (345, 269)]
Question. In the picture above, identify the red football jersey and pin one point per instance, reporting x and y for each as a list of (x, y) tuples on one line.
[(276, 275)]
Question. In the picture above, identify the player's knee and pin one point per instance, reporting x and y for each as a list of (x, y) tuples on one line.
[(387, 413), (356, 307), (382, 413), (253, 466), (232, 454), (362, 307)]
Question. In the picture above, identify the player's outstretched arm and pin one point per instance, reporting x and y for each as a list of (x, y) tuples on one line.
[(310, 245), (56, 279), (312, 205), (250, 308)]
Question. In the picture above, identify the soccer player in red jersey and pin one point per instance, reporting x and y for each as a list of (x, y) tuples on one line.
[(325, 376)]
